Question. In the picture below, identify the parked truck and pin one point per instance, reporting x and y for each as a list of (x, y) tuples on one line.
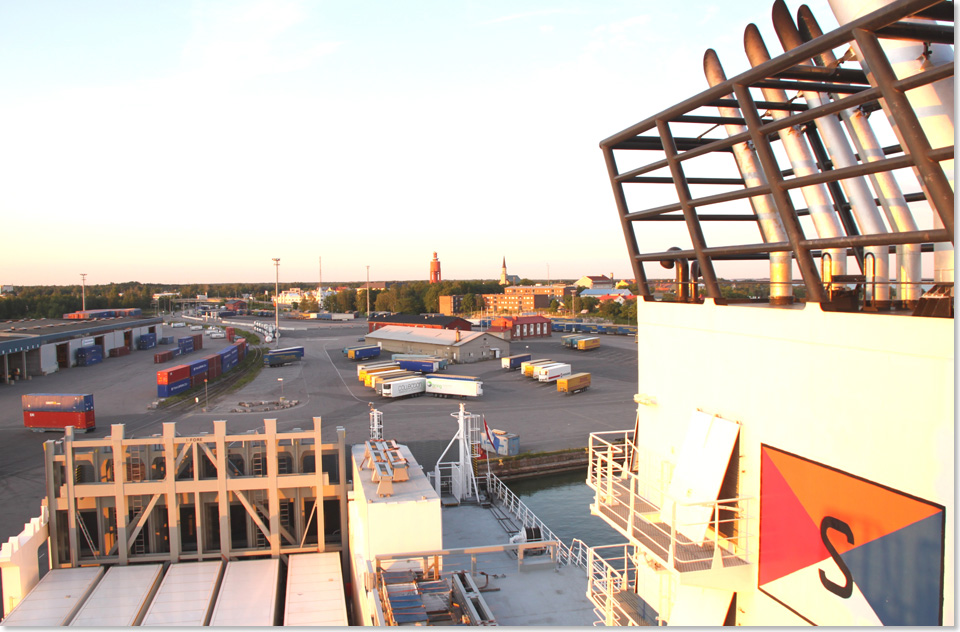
[(573, 383), (586, 344), (452, 387), (554, 372), (513, 362), (402, 387), (362, 353), (279, 357)]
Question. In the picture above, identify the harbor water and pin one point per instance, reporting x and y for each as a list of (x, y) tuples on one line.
[(562, 502)]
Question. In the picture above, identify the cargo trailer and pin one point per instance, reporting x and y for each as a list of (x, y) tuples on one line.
[(363, 353), (586, 344), (570, 340), (540, 368), (452, 376), (368, 367), (450, 387), (366, 373), (55, 600), (186, 595), (526, 368), (315, 593), (376, 378), (513, 362), (279, 357), (410, 386), (554, 372), (503, 443), (422, 365), (121, 598), (248, 594), (574, 383)]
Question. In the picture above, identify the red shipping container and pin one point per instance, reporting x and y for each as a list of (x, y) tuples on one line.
[(231, 333), (175, 374), (163, 356), (58, 420), (197, 380), (197, 341)]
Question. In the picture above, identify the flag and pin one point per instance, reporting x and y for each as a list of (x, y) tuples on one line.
[(492, 440)]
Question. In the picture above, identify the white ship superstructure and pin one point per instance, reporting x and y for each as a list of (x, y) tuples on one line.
[(792, 458)]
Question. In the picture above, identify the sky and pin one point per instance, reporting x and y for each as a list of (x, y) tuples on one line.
[(194, 140)]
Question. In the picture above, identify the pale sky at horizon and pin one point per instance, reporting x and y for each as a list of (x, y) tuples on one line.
[(192, 141)]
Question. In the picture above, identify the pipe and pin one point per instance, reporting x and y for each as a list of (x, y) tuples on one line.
[(888, 190), (858, 193), (801, 159), (933, 103), (771, 229)]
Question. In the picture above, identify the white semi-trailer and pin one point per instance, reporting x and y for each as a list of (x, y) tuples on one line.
[(452, 387), (554, 372), (402, 387)]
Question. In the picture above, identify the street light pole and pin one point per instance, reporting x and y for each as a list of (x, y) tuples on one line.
[(83, 290), (280, 379), (206, 394), (276, 304), (368, 292)]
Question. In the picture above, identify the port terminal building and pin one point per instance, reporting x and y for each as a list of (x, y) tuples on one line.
[(454, 345), (32, 348)]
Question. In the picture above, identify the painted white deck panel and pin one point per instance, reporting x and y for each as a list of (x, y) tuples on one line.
[(121, 597), (186, 595), (55, 600), (315, 594), (248, 594)]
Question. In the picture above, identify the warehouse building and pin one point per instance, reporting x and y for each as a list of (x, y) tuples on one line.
[(456, 346), (427, 321), (32, 348)]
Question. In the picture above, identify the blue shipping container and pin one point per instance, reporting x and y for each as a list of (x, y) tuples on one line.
[(199, 366), (147, 341), (87, 356), (166, 390), (228, 364), (64, 402)]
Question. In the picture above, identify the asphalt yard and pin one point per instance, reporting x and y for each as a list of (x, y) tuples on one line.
[(325, 384)]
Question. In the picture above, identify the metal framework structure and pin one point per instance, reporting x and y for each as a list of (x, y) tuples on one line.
[(119, 500), (798, 71)]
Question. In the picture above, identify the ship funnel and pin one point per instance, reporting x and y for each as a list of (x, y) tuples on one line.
[(816, 196), (933, 104), (874, 261), (764, 207)]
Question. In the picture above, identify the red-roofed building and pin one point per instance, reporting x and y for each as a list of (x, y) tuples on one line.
[(521, 327)]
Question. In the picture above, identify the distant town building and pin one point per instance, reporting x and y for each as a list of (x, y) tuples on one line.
[(507, 279), (525, 298), (598, 292), (595, 282), (435, 269), (289, 297), (235, 304), (451, 304), (520, 327), (426, 321)]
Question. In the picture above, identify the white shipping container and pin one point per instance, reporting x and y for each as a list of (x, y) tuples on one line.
[(186, 596), (56, 598), (449, 387), (550, 374), (315, 593), (121, 598), (248, 594)]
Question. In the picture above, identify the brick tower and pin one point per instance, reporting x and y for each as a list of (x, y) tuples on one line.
[(435, 269)]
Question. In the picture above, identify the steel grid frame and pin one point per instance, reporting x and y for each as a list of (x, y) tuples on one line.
[(851, 89)]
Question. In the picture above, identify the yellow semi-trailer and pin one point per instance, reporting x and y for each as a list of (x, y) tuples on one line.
[(527, 367), (574, 383), (364, 376), (586, 344)]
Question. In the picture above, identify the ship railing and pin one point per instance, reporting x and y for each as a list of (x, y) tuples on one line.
[(625, 589), (503, 495), (631, 495)]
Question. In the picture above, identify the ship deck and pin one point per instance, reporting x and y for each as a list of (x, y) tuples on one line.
[(539, 594)]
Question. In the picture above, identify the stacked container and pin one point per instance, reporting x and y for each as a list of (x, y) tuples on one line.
[(231, 334), (53, 411), (172, 381), (87, 356), (147, 341)]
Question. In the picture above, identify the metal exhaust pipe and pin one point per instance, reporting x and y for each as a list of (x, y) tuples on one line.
[(771, 229), (933, 103), (801, 159), (887, 189), (858, 193)]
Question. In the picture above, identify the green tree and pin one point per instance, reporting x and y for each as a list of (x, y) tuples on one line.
[(468, 304)]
